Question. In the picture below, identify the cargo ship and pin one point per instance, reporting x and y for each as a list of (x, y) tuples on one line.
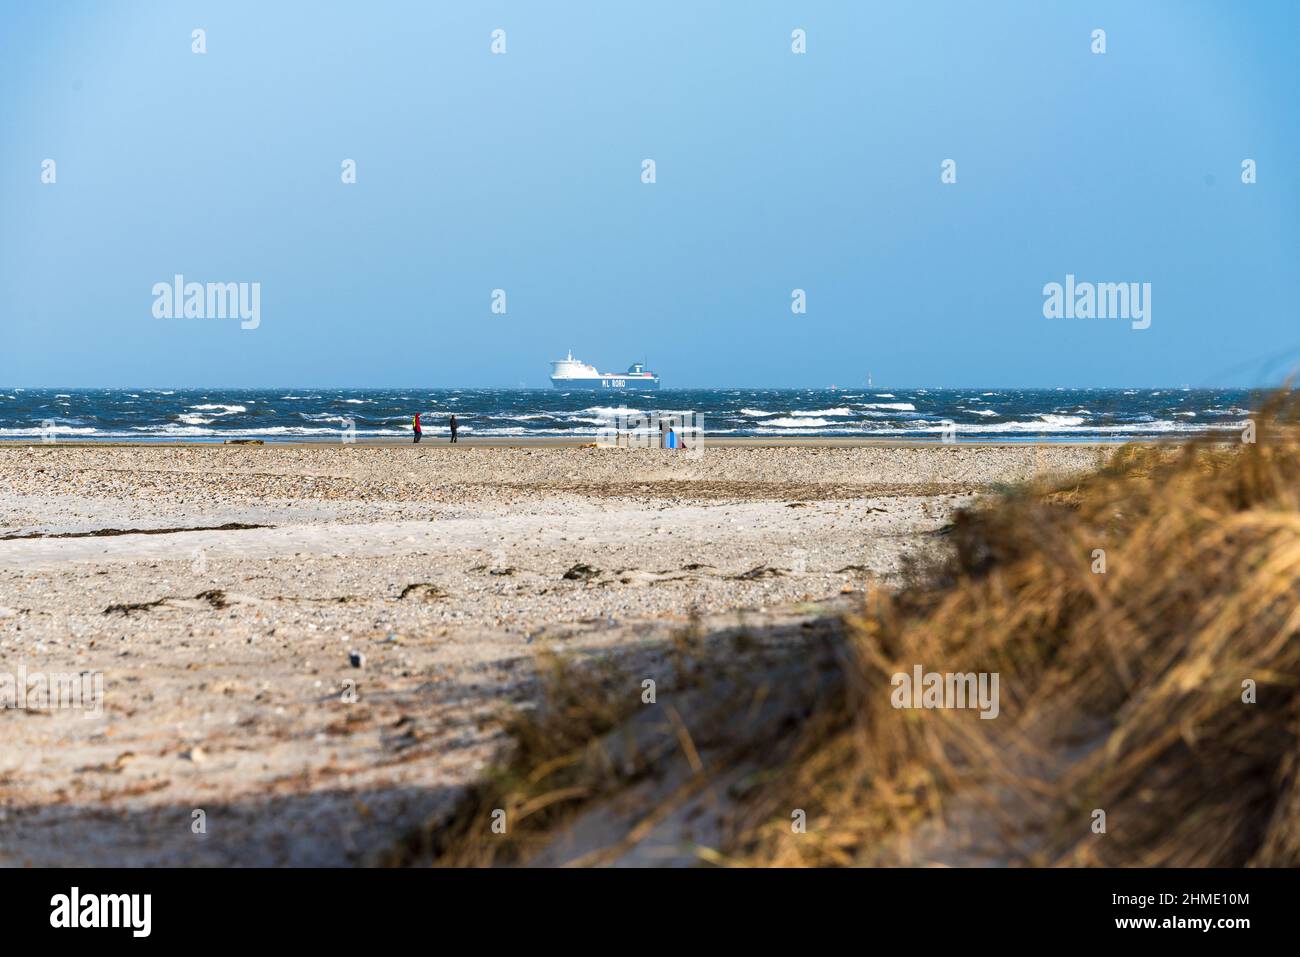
[(571, 373)]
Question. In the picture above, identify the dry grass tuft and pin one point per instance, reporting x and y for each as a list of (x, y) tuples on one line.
[(1120, 691)]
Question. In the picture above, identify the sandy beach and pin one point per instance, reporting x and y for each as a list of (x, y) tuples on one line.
[(306, 648)]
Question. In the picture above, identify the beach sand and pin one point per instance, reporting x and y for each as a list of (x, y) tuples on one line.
[(225, 593)]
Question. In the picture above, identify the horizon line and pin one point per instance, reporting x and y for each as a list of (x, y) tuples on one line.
[(625, 391)]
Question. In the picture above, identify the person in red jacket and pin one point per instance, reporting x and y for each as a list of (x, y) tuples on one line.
[(415, 426)]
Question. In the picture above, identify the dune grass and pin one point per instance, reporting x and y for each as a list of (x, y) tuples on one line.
[(1144, 622)]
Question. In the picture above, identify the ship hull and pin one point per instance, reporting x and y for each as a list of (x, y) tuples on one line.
[(607, 382)]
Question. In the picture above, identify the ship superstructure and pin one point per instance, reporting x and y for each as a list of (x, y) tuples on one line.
[(571, 373)]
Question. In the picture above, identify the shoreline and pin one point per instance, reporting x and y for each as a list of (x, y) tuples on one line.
[(562, 442)]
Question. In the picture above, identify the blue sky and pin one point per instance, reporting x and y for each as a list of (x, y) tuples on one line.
[(522, 171)]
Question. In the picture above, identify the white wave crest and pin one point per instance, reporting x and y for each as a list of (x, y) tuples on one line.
[(792, 422)]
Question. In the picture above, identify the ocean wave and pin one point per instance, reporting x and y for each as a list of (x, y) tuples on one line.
[(609, 411), (219, 409), (57, 430), (894, 406), (1045, 428), (805, 431), (183, 431), (174, 429), (504, 430), (837, 411), (792, 422), (577, 433)]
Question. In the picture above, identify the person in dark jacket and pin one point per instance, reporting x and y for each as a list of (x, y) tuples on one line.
[(454, 427)]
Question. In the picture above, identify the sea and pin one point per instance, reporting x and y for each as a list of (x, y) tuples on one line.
[(302, 414)]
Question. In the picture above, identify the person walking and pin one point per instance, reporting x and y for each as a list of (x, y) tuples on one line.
[(454, 427), (415, 427)]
